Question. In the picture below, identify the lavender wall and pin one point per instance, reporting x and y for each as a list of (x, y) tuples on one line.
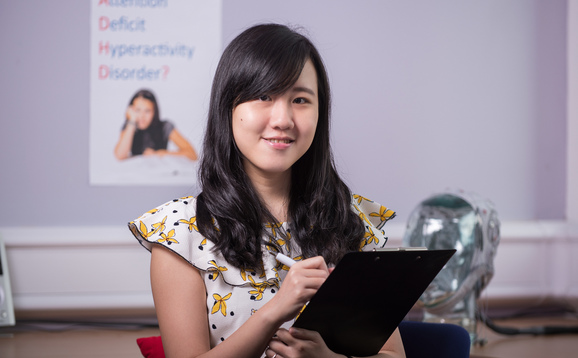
[(427, 95)]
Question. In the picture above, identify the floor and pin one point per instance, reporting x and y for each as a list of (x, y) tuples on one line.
[(74, 341), (99, 341), (526, 345)]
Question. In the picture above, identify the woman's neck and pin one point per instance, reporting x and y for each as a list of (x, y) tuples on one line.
[(273, 189)]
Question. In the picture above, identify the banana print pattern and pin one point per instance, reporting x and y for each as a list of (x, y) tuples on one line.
[(215, 270), (234, 294), (190, 223), (369, 238), (168, 238), (384, 216), (220, 305)]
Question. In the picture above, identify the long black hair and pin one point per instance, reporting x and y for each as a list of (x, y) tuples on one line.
[(267, 60), (154, 130)]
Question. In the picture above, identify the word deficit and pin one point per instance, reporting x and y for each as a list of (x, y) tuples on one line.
[(121, 24)]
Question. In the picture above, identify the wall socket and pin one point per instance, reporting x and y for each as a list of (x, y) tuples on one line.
[(7, 317)]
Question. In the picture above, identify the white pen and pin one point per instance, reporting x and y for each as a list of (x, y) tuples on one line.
[(285, 260)]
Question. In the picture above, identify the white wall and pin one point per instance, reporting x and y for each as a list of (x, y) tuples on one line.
[(427, 95)]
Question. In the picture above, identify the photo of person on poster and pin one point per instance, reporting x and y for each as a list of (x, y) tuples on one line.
[(144, 133)]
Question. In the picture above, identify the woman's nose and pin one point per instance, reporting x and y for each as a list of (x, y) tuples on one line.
[(282, 115)]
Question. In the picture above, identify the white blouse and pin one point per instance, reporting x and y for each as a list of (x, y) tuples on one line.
[(234, 294)]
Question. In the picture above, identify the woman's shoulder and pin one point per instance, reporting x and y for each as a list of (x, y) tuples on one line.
[(374, 216), (176, 208), (369, 210), (167, 127), (173, 225), (167, 123)]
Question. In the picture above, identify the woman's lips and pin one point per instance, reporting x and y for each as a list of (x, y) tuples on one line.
[(279, 143)]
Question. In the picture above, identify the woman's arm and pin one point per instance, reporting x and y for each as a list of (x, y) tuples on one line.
[(183, 145), (297, 342), (393, 347), (180, 302), (124, 144)]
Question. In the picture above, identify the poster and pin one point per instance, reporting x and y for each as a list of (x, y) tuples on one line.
[(162, 51)]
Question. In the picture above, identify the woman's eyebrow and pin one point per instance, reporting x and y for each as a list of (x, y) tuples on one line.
[(303, 89)]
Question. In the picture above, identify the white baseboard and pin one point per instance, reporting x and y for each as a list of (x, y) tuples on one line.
[(59, 268)]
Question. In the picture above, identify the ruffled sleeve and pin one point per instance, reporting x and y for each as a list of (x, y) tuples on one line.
[(173, 225), (374, 216)]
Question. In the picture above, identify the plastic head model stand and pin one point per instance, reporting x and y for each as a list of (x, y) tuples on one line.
[(469, 224)]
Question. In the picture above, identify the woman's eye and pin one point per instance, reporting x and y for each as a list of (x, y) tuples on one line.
[(264, 98), (300, 100)]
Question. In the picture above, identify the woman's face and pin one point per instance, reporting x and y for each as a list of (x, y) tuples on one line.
[(273, 132), (143, 111)]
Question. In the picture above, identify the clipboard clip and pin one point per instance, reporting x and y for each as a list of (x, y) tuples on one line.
[(417, 248)]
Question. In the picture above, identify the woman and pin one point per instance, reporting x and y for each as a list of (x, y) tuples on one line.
[(144, 133), (268, 185)]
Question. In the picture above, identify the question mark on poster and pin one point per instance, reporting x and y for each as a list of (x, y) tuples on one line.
[(165, 71)]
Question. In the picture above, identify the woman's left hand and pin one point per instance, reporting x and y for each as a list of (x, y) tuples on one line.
[(298, 343)]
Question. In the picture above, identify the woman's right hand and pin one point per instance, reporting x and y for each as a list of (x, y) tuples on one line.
[(130, 114), (301, 283), (123, 146)]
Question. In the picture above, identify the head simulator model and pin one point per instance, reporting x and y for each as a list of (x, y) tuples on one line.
[(470, 225)]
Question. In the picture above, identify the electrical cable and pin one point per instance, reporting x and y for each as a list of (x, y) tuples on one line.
[(534, 330)]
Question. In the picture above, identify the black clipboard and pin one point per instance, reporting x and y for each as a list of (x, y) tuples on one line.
[(367, 296)]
